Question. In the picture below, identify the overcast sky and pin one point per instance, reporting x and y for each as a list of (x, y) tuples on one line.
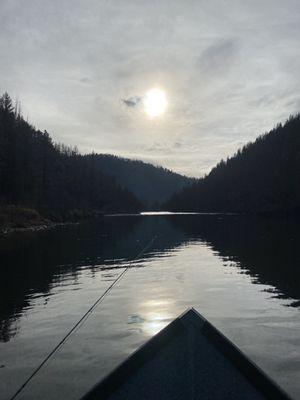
[(230, 71)]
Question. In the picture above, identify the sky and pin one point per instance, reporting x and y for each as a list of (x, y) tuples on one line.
[(229, 70)]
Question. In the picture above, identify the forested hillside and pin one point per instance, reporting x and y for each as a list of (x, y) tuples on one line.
[(49, 177), (262, 177), (152, 185)]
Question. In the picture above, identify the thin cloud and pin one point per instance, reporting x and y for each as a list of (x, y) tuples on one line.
[(219, 55)]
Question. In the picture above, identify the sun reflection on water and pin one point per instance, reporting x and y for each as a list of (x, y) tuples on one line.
[(154, 316)]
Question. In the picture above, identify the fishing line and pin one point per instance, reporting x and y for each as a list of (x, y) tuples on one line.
[(82, 319)]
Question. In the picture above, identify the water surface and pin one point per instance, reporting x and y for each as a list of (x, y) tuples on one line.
[(240, 273)]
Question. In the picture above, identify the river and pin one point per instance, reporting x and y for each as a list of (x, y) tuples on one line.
[(241, 273)]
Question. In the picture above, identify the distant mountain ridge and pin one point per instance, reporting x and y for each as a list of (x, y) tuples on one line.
[(152, 185), (35, 172), (262, 177)]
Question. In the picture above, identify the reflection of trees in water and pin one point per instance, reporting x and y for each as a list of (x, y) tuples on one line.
[(34, 263), (8, 328), (267, 249)]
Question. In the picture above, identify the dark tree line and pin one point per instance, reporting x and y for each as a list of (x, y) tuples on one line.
[(37, 173), (151, 184), (262, 177)]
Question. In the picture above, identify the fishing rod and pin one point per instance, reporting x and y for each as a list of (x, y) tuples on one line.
[(82, 319)]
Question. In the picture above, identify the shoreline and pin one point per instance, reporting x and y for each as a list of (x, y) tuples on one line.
[(8, 230), (16, 219)]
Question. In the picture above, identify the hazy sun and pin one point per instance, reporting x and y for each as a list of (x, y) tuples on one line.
[(155, 102)]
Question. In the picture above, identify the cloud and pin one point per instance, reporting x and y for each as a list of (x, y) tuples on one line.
[(132, 101), (229, 73)]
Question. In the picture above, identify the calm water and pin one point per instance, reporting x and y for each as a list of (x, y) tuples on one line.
[(240, 273)]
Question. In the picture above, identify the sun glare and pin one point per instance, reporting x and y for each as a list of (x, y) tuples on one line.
[(155, 102)]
